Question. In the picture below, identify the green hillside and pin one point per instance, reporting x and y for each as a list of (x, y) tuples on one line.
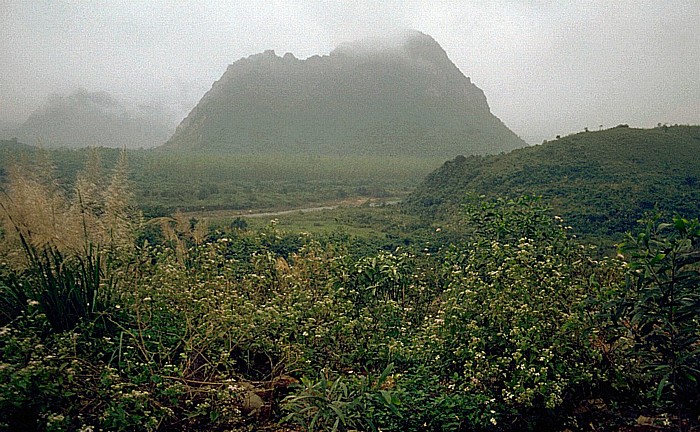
[(599, 182)]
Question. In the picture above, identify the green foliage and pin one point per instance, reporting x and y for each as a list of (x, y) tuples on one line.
[(238, 223), (659, 308), (601, 182), (66, 289), (510, 330), (354, 402), (53, 244), (508, 326)]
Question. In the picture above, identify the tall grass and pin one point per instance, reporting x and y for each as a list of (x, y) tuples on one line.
[(57, 246), (65, 288)]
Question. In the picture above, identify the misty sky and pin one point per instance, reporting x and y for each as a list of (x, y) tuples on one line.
[(546, 68)]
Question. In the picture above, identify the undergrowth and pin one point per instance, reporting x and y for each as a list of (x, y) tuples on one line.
[(512, 326)]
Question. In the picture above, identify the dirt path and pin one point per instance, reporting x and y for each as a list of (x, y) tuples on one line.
[(370, 202), (284, 212)]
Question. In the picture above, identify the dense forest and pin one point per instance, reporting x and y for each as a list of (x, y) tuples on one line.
[(481, 309)]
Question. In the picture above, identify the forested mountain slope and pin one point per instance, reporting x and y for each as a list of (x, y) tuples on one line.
[(600, 182), (376, 98)]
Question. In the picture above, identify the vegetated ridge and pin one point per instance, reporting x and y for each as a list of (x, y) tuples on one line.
[(600, 182), (385, 98), (93, 119)]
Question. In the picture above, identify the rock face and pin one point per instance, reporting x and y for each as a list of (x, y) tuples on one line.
[(93, 119), (374, 97)]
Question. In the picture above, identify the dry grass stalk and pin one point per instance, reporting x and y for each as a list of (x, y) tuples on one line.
[(179, 229), (35, 207)]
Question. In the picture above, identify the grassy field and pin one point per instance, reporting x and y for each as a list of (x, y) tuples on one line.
[(203, 182), (164, 182), (348, 214)]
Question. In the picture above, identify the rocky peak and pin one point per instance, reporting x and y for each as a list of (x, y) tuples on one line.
[(397, 94)]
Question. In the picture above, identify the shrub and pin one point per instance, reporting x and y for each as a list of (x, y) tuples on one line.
[(355, 402), (510, 330), (658, 309)]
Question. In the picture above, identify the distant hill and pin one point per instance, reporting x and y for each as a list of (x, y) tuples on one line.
[(13, 150), (93, 119), (8, 128), (373, 97), (599, 182)]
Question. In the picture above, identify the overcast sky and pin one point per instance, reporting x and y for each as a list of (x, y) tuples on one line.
[(546, 67)]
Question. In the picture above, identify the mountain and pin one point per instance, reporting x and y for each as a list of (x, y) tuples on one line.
[(600, 182), (373, 97), (8, 128), (85, 119)]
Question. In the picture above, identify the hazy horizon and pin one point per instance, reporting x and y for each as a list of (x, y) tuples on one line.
[(546, 69)]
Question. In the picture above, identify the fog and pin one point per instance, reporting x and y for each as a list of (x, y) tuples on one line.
[(547, 68)]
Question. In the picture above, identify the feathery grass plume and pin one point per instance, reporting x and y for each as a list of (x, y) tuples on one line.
[(179, 231), (88, 202), (120, 216), (37, 209), (53, 272), (89, 183), (170, 232), (61, 246), (199, 231), (45, 167)]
